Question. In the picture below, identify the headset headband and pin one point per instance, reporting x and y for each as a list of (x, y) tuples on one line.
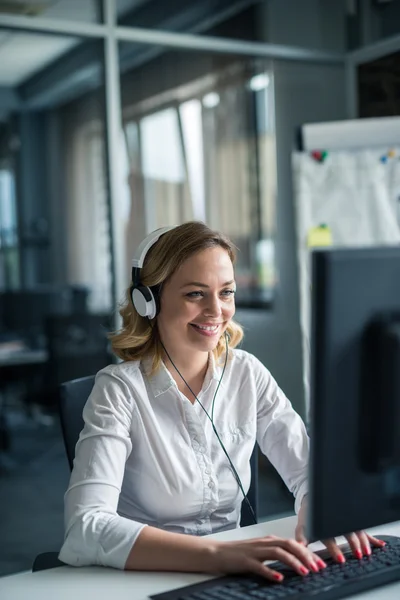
[(145, 245)]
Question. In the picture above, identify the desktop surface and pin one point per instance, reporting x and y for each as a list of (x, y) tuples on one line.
[(102, 583)]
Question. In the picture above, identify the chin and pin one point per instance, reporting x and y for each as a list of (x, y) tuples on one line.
[(212, 345), (205, 345)]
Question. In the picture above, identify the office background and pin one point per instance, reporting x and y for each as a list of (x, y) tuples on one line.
[(120, 116)]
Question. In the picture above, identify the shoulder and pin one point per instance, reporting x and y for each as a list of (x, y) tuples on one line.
[(247, 361), (248, 369), (124, 371), (118, 384)]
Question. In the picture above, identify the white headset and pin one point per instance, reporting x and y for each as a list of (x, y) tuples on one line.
[(145, 299)]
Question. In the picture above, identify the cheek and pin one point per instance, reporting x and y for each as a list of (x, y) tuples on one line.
[(190, 311), (178, 311), (169, 316), (229, 311)]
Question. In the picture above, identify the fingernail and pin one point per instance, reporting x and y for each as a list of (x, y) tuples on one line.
[(340, 558), (278, 576), (304, 571), (321, 564), (367, 550), (382, 543), (358, 554), (314, 567)]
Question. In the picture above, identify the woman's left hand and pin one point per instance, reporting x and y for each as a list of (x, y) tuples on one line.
[(359, 542)]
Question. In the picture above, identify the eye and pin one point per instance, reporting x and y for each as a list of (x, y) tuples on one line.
[(228, 293), (194, 294)]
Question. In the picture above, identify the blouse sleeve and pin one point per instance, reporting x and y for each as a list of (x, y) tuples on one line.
[(94, 532), (281, 434)]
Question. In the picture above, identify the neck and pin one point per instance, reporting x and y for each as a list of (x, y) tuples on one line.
[(189, 366)]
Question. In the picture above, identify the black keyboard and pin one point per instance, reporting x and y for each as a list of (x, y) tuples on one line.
[(334, 582)]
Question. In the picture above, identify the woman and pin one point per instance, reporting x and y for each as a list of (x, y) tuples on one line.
[(163, 458)]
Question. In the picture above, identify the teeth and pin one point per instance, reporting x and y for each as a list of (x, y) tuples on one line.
[(204, 328)]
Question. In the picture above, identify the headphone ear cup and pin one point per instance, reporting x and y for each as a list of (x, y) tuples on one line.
[(155, 290), (144, 302)]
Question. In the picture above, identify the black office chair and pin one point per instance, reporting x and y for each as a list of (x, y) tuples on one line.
[(73, 396), (72, 399)]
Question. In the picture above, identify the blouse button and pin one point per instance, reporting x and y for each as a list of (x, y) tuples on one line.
[(211, 484)]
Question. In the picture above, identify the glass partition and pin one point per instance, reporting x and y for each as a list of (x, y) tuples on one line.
[(200, 144), (9, 246), (54, 204)]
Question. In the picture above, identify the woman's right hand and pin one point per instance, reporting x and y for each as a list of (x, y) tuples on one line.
[(248, 556)]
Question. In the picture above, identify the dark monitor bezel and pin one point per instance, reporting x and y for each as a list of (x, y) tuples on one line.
[(350, 288)]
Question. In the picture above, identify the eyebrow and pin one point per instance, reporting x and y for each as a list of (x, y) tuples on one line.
[(203, 285)]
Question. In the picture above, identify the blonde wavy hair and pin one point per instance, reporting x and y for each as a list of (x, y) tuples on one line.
[(138, 338)]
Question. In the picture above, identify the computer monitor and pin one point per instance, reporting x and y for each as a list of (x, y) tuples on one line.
[(355, 390)]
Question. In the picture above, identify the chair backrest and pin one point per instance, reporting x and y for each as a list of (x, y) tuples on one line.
[(73, 396), (246, 518)]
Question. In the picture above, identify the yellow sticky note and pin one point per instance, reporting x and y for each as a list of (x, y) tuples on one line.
[(319, 236)]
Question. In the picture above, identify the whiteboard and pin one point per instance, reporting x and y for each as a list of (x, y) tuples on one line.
[(357, 195)]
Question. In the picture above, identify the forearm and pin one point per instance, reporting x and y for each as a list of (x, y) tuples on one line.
[(158, 550)]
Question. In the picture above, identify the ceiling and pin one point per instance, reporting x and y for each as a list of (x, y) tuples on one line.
[(46, 70), (68, 10), (24, 54)]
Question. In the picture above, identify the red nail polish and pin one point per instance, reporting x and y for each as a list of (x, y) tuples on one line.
[(321, 564), (358, 554), (304, 570), (341, 558), (278, 576), (314, 567), (367, 551)]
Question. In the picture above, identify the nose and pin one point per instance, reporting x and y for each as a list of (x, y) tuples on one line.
[(213, 307)]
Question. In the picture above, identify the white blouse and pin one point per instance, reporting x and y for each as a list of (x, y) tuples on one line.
[(147, 455)]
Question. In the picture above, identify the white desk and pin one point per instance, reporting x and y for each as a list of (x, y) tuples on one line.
[(69, 583)]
